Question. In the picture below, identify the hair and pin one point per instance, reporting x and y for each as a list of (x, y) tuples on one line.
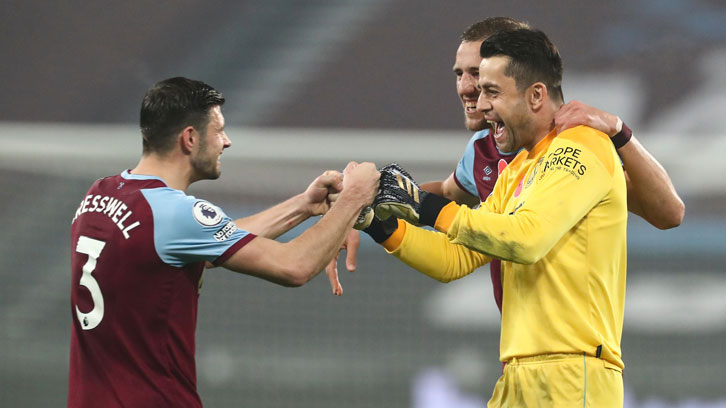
[(170, 106), (482, 30), (533, 58)]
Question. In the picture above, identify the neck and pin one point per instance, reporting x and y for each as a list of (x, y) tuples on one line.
[(543, 123), (173, 170)]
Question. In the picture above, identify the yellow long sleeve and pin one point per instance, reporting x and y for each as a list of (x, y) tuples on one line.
[(431, 253)]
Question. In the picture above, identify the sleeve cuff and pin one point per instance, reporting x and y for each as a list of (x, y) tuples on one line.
[(394, 241), (234, 248), (446, 217)]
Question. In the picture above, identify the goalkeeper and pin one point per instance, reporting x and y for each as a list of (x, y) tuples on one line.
[(557, 220)]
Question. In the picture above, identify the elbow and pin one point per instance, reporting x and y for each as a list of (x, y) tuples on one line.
[(296, 276), (671, 218), (527, 254)]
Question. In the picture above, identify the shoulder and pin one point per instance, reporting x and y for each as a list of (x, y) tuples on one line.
[(593, 140), (173, 205)]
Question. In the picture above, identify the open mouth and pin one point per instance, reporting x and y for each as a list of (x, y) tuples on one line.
[(497, 128), (470, 107)]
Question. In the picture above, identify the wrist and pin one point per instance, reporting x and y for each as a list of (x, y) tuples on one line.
[(305, 207), (622, 137), (380, 231), (431, 206)]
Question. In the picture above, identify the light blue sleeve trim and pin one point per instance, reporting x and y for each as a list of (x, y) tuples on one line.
[(465, 169), (187, 229)]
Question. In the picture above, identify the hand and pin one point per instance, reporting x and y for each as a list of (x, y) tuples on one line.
[(575, 113), (399, 195), (322, 192), (360, 182), (351, 244)]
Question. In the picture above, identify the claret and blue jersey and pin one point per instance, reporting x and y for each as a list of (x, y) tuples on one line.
[(138, 253), (480, 166)]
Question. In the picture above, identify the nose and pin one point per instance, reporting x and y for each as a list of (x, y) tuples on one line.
[(467, 84), (483, 104), (226, 140)]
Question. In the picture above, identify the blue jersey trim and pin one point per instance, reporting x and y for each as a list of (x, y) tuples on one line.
[(187, 229)]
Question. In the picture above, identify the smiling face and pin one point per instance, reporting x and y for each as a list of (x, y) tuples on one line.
[(503, 106), (205, 161), (466, 69)]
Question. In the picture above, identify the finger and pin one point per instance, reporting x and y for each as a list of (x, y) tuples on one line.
[(332, 271), (333, 197), (329, 179), (351, 250), (351, 165)]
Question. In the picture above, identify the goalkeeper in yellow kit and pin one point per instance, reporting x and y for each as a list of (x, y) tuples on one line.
[(556, 218)]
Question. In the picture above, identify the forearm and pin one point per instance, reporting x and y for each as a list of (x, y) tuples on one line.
[(295, 262), (277, 220), (317, 246), (432, 254), (435, 187), (449, 189), (522, 238), (651, 194)]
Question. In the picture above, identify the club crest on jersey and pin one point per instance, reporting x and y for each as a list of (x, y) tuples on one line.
[(207, 214)]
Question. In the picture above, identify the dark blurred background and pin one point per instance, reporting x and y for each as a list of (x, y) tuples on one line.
[(309, 86)]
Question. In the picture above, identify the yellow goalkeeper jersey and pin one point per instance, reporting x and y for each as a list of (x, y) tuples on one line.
[(557, 218)]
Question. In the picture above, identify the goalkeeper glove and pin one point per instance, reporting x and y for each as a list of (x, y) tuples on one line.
[(364, 219), (400, 196)]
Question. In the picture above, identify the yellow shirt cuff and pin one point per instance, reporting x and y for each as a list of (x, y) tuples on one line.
[(394, 241), (446, 217)]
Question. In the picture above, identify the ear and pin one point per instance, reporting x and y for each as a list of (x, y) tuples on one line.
[(188, 138), (537, 95)]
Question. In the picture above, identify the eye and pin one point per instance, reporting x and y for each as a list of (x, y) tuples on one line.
[(458, 73)]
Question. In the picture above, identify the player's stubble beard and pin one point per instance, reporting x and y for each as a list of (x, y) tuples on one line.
[(475, 125), (205, 164)]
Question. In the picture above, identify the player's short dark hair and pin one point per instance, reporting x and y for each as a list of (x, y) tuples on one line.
[(170, 106), (533, 58), (482, 30)]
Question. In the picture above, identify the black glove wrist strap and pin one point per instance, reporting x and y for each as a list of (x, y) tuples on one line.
[(430, 208), (382, 230)]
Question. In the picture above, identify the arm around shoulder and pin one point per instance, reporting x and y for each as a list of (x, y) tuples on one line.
[(651, 194)]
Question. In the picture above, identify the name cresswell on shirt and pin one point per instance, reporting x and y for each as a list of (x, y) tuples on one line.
[(115, 209)]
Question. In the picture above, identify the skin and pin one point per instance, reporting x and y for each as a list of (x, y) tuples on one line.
[(196, 156)]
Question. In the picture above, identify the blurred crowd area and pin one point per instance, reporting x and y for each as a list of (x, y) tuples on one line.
[(309, 86)]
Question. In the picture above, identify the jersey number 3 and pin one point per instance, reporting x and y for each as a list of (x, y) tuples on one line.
[(92, 248)]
